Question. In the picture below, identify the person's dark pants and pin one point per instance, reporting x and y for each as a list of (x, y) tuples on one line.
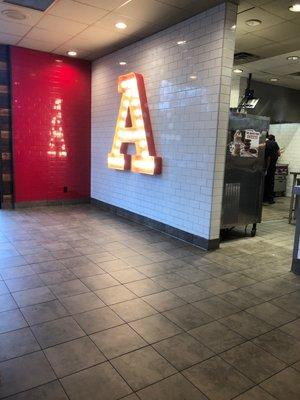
[(269, 183)]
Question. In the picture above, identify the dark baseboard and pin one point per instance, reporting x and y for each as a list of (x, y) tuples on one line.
[(41, 203), (296, 267), (199, 241)]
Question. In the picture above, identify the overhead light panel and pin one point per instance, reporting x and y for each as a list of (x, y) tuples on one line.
[(293, 58), (40, 5), (193, 76), (121, 25), (181, 42), (72, 53), (237, 71), (295, 7), (274, 79), (122, 63), (253, 22)]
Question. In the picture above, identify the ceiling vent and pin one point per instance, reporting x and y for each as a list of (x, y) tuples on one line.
[(40, 5), (243, 58)]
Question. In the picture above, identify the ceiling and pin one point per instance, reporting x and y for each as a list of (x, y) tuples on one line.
[(88, 26), (276, 38)]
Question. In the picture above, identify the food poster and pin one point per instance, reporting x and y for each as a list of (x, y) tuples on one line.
[(244, 143)]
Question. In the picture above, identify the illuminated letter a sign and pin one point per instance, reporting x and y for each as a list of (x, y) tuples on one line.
[(134, 126)]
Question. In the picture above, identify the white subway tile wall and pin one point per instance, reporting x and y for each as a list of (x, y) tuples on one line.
[(188, 90), (288, 137)]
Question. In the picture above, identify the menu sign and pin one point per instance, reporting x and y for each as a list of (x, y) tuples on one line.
[(244, 143)]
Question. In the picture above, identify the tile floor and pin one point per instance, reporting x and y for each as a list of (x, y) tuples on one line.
[(95, 307)]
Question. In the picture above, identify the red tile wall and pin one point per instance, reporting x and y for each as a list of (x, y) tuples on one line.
[(38, 79)]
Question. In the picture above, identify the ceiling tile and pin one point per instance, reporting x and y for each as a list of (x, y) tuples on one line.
[(199, 6), (44, 35), (281, 32), (147, 10), (259, 2), (280, 8), (250, 41), (267, 19), (13, 28), (244, 5), (9, 39), (104, 4), (177, 3), (36, 45), (32, 16), (76, 11), (61, 25), (95, 36), (277, 48)]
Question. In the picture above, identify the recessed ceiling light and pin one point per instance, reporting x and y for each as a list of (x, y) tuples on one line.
[(193, 76), (295, 7), (293, 58), (237, 71), (180, 42), (72, 53), (233, 28), (13, 14), (122, 63), (253, 22), (274, 79), (121, 25)]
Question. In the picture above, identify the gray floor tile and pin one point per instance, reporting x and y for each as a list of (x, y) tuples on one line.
[(128, 275), (289, 302), (47, 266), (11, 320), (164, 301), (82, 302), (56, 332), (142, 367), (3, 288), (49, 391), (191, 293), (44, 312), (293, 329), (216, 307), (14, 261), (253, 362), (24, 373), (193, 274), (24, 283), (155, 328), (188, 317), (53, 277), (255, 393), (284, 385), (70, 288), (115, 294), (217, 379), (183, 351), (87, 270), (33, 296), (176, 387), (68, 358), (7, 302), (246, 324), (271, 314), (97, 320), (170, 280), (133, 310), (18, 272), (241, 299), (100, 281), (216, 286), (144, 287), (101, 382), (117, 341), (281, 345), (17, 343), (217, 337)]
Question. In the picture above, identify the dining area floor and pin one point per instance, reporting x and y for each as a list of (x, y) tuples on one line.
[(93, 306)]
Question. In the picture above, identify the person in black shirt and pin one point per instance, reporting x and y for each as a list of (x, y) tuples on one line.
[(272, 152)]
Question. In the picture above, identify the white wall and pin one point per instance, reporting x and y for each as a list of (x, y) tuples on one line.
[(288, 137), (189, 121)]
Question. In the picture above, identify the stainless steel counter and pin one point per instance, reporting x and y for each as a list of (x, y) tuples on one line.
[(296, 254)]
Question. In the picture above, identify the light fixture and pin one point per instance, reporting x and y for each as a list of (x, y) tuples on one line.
[(72, 53), (13, 14), (122, 63), (293, 58), (121, 25), (295, 7), (233, 28), (253, 22), (274, 79), (237, 71), (180, 42), (193, 76)]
